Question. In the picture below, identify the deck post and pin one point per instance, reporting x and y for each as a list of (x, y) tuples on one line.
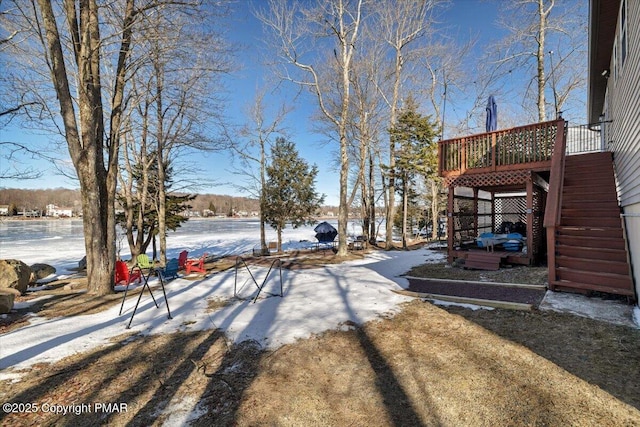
[(475, 211), (493, 211), (494, 160), (529, 219), (450, 223), (463, 156)]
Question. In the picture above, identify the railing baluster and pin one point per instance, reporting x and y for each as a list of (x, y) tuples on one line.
[(512, 148)]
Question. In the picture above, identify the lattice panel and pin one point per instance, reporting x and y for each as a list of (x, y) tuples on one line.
[(463, 219), (485, 220), (510, 209), (539, 233), (493, 179)]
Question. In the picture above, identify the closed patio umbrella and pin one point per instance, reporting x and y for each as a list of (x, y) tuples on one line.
[(325, 232), (492, 114)]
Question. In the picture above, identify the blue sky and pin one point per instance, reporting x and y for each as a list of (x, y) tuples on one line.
[(464, 18)]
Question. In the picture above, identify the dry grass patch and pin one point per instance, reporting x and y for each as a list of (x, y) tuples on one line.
[(511, 274), (424, 366)]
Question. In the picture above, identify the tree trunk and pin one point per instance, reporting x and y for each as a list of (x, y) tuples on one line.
[(100, 242), (391, 207), (162, 196), (405, 204), (435, 204), (263, 182), (540, 56), (372, 202), (279, 231)]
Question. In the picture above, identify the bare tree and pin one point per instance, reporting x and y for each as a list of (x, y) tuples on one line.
[(541, 29), (253, 150), (172, 103), (85, 46), (335, 26), (402, 24), (365, 129), (11, 168)]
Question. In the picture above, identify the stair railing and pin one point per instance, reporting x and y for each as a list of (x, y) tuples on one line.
[(554, 199)]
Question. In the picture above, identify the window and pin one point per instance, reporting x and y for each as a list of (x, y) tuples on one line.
[(614, 60), (623, 32)]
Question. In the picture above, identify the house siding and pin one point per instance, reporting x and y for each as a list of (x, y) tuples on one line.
[(622, 109), (623, 105)]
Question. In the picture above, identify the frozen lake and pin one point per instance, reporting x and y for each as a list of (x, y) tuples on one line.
[(60, 243)]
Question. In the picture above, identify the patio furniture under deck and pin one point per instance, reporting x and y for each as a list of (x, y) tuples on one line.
[(498, 177)]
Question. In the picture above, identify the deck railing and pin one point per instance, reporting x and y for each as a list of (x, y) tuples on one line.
[(524, 147), (584, 139)]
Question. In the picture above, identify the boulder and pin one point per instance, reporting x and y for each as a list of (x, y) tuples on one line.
[(14, 274), (82, 264), (6, 301), (40, 271)]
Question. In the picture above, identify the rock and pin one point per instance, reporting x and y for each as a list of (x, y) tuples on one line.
[(6, 302), (16, 293), (83, 263), (40, 271), (14, 274), (73, 286)]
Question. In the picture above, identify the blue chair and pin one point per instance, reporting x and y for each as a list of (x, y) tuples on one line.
[(170, 271)]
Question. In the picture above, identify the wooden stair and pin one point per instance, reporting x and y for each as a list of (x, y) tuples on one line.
[(481, 260), (590, 250)]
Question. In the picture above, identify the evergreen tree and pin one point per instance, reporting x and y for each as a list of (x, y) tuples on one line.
[(174, 205), (289, 194), (416, 153)]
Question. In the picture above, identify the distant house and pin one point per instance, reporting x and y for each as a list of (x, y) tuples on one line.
[(55, 211), (4, 210), (614, 101)]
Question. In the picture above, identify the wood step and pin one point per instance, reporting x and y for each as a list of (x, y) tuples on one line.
[(604, 280), (579, 204), (589, 170), (582, 159), (566, 285), (590, 242), (591, 221), (589, 197), (590, 211), (584, 171), (483, 260), (593, 265), (587, 188), (596, 232), (604, 254)]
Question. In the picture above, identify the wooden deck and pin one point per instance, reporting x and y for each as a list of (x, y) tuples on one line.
[(522, 148), (571, 210)]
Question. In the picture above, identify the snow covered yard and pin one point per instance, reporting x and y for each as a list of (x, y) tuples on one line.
[(314, 300)]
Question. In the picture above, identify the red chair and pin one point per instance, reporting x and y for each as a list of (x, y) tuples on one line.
[(195, 265), (124, 276), (182, 260)]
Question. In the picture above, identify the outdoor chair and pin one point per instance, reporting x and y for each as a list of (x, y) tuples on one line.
[(196, 265), (124, 276), (170, 271), (182, 260), (143, 262)]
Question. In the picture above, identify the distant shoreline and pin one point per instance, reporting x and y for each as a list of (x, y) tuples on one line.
[(213, 218)]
